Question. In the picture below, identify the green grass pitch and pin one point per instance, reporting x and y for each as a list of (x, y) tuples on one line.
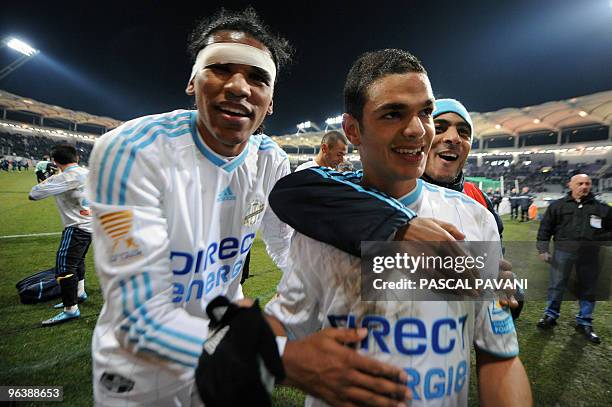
[(563, 369)]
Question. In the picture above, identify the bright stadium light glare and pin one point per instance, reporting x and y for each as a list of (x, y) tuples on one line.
[(333, 120), (21, 47), (498, 126), (304, 125), (582, 113), (536, 121)]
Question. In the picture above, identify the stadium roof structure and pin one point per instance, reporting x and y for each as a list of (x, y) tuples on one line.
[(10, 101), (575, 112)]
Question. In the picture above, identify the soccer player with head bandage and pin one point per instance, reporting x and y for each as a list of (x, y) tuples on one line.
[(177, 200)]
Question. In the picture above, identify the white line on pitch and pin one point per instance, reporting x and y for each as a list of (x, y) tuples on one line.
[(31, 235)]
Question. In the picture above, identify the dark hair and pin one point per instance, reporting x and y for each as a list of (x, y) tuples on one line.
[(370, 67), (331, 138), (246, 21), (64, 153)]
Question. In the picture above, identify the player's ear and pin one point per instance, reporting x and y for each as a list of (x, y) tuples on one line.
[(270, 108), (350, 125), (190, 90)]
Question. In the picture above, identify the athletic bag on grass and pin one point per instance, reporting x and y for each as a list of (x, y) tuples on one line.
[(40, 287)]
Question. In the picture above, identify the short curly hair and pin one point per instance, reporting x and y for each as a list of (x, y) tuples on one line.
[(246, 21)]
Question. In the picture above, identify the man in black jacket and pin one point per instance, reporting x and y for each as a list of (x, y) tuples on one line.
[(576, 222), (525, 200)]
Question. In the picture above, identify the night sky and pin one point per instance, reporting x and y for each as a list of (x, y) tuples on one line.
[(127, 59)]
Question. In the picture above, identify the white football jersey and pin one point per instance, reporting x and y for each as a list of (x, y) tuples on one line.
[(68, 188), (173, 223), (431, 340)]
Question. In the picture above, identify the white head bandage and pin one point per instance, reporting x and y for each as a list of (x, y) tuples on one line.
[(234, 53)]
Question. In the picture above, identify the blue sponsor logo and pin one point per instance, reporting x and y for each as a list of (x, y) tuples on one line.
[(415, 337), (211, 267)]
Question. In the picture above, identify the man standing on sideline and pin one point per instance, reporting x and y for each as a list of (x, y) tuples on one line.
[(514, 204), (68, 188), (178, 199), (334, 146), (525, 200), (576, 223)]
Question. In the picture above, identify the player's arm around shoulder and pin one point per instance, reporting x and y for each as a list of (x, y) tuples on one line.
[(502, 381)]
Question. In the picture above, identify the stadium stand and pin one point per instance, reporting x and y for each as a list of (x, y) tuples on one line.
[(28, 128), (537, 146)]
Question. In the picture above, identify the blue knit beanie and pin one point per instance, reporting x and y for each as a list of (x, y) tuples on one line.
[(453, 106)]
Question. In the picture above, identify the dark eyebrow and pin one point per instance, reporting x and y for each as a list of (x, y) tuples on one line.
[(261, 72), (402, 106)]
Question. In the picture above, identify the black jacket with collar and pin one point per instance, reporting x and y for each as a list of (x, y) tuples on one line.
[(569, 222)]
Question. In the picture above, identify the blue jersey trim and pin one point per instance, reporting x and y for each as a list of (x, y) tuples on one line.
[(143, 312), (158, 341), (232, 165), (208, 154), (449, 193), (138, 131), (414, 194), (345, 178), (200, 144), (132, 156)]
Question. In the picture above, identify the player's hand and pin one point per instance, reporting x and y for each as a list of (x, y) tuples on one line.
[(429, 230), (507, 299), (545, 257), (324, 367), (245, 302)]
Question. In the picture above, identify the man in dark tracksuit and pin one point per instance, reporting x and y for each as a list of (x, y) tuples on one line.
[(576, 222), (525, 200), (514, 204)]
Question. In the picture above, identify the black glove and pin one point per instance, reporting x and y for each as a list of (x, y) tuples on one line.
[(240, 362)]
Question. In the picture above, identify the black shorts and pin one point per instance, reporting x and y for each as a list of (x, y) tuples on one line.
[(71, 253)]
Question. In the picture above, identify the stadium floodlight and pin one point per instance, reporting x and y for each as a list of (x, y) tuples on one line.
[(26, 51), (333, 120), (21, 47), (536, 121), (582, 113), (498, 126), (304, 125)]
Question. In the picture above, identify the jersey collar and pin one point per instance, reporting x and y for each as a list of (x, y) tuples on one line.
[(209, 154)]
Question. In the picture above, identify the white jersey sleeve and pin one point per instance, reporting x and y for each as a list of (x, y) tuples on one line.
[(55, 185), (132, 257), (494, 330), (298, 299), (275, 233)]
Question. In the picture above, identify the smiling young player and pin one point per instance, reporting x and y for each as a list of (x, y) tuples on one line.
[(389, 106)]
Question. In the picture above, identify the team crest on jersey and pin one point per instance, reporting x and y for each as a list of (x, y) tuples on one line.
[(252, 213), (118, 226)]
